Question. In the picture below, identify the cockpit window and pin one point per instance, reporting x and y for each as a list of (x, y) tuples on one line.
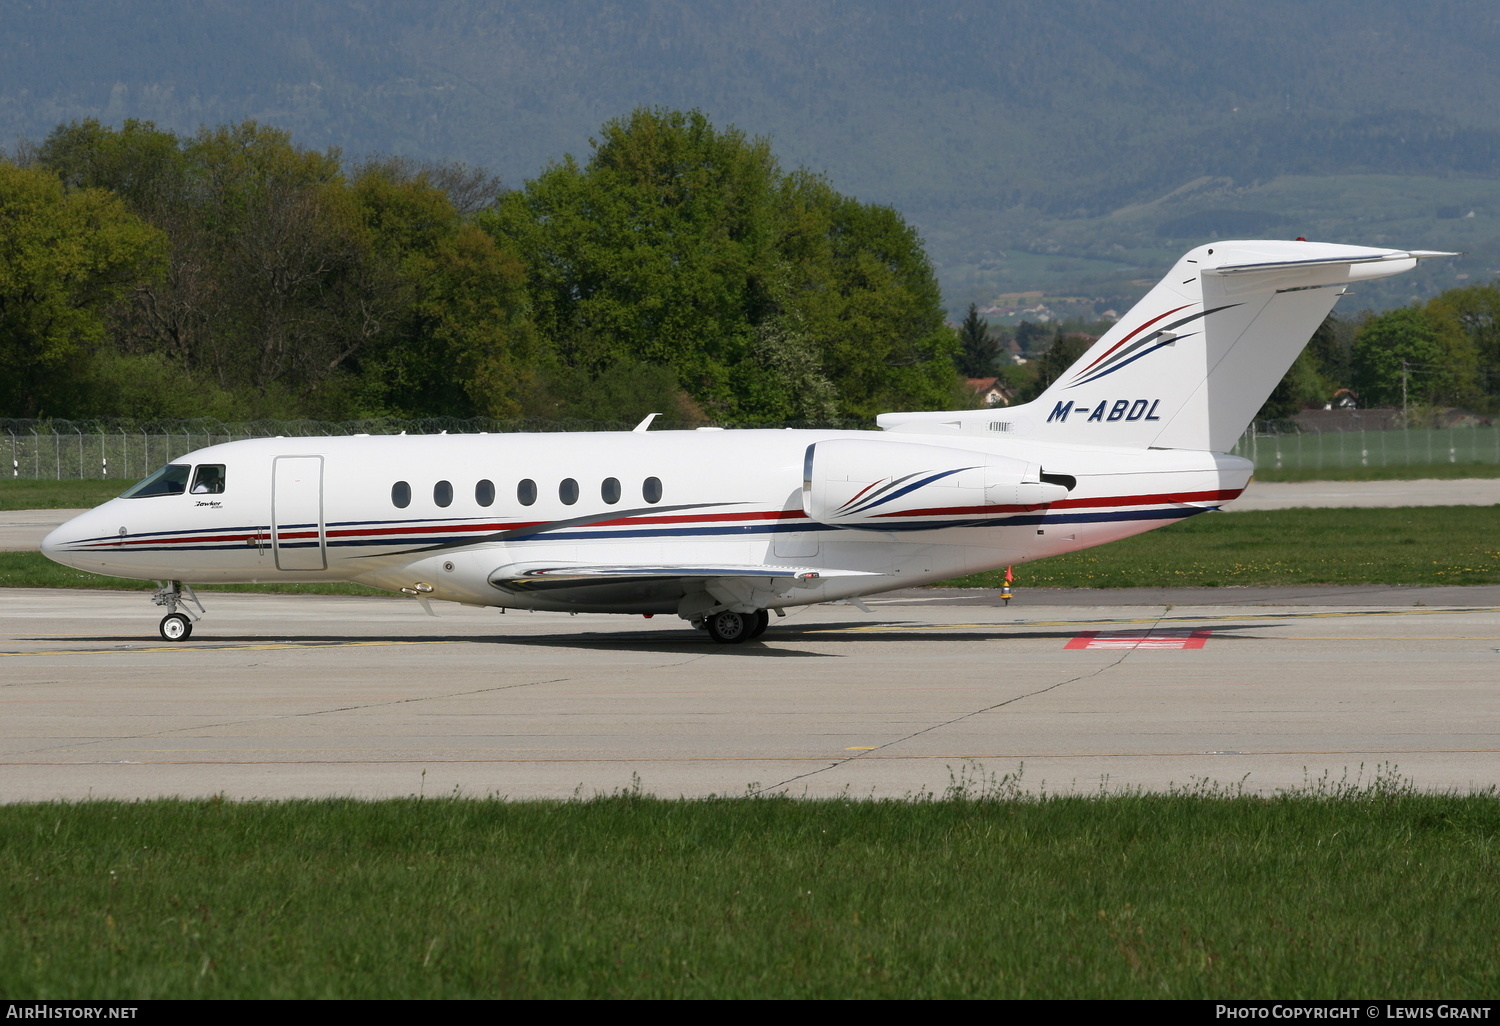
[(209, 479), (169, 480)]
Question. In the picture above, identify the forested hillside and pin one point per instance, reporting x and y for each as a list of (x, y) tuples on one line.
[(1067, 145)]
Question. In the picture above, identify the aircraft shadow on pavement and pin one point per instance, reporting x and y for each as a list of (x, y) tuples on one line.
[(677, 641)]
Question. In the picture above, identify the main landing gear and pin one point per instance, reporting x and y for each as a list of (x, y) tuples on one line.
[(176, 626), (731, 628)]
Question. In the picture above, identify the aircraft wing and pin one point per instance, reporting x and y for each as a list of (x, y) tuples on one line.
[(523, 573)]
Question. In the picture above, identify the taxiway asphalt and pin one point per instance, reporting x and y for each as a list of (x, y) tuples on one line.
[(282, 696)]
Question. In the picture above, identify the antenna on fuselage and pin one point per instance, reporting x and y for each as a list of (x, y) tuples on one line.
[(643, 425)]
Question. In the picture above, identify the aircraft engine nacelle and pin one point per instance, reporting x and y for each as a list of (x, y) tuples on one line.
[(884, 485)]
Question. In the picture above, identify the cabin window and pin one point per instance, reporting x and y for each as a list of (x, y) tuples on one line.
[(169, 480), (651, 489), (401, 495), (568, 491), (484, 493), (526, 492), (442, 493), (209, 479), (610, 490)]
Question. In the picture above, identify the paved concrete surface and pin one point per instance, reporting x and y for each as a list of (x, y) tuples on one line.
[(22, 530), (1280, 495), (293, 696)]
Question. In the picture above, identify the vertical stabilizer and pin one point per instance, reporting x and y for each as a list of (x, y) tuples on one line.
[(1191, 363)]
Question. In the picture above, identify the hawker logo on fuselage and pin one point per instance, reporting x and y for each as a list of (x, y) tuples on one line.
[(1107, 409)]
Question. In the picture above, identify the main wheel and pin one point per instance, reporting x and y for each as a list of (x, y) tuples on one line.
[(762, 621), (176, 627), (728, 628)]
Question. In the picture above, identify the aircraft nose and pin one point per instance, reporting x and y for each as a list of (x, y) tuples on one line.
[(59, 543), (55, 542)]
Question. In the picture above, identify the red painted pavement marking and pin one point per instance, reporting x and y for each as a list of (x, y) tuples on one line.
[(1150, 637)]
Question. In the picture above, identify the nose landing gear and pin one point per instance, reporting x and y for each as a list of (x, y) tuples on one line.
[(176, 626)]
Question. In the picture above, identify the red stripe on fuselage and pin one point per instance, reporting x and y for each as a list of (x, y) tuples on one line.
[(1104, 501)]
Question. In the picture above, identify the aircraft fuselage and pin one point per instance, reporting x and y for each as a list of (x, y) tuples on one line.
[(449, 516)]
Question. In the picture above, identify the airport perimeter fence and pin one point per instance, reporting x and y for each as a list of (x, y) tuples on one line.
[(129, 450), (1371, 442), (124, 450)]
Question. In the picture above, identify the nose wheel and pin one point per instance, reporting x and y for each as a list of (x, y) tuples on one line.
[(176, 627)]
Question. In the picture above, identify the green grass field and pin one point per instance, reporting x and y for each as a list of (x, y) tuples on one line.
[(1428, 545), (25, 493), (1337, 891)]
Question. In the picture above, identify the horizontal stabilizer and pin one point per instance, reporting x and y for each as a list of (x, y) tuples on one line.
[(1386, 256)]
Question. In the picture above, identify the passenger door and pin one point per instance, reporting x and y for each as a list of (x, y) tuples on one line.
[(297, 513)]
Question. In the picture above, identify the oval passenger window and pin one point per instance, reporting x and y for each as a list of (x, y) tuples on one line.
[(568, 491), (610, 490), (652, 489), (401, 495), (484, 493), (442, 493), (526, 492)]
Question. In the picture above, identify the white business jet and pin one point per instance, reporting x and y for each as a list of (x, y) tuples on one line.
[(721, 527)]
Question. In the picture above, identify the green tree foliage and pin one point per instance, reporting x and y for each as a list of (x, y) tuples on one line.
[(453, 336), (1060, 354), (66, 257), (1408, 357), (977, 347), (304, 290), (1033, 338), (1301, 387), (1475, 311), (768, 295)]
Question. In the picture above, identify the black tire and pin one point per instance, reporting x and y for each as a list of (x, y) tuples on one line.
[(728, 628), (762, 621), (176, 627)]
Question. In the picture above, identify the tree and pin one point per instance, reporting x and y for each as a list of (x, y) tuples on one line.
[(977, 347), (1475, 311), (1061, 354), (1301, 387), (1406, 357), (307, 291), (65, 259), (455, 339), (767, 294)]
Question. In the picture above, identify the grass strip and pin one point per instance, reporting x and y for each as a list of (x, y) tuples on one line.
[(29, 493), (1415, 545), (1325, 893)]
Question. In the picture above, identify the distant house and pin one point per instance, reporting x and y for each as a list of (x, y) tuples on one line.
[(992, 391)]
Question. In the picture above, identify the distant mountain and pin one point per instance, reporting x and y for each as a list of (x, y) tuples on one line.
[(1072, 145)]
